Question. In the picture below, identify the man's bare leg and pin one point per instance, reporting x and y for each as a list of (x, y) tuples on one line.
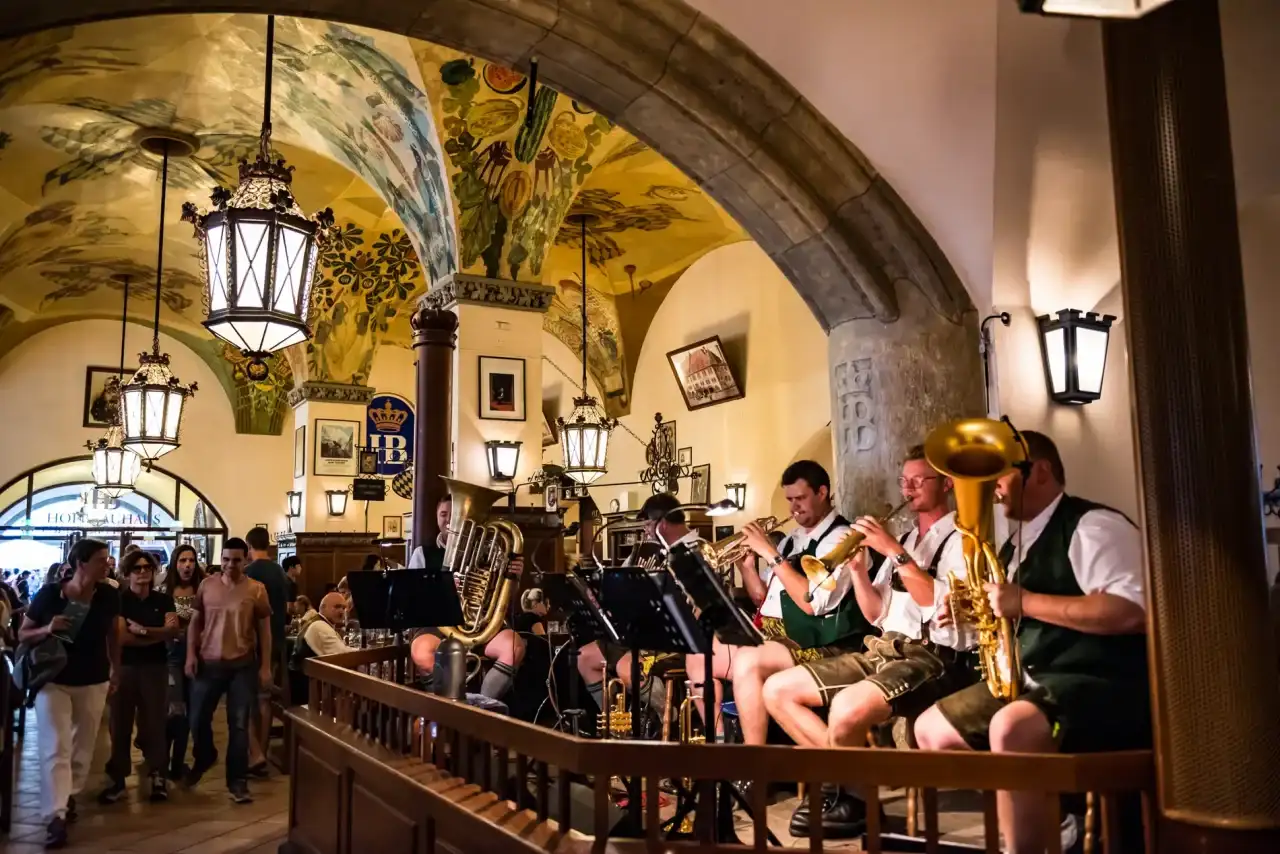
[(751, 667), (1021, 727), (790, 698), (854, 711)]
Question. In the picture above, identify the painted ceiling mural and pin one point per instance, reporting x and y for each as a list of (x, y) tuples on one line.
[(424, 154)]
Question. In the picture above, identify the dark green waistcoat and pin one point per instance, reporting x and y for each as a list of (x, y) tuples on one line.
[(1048, 648), (844, 622)]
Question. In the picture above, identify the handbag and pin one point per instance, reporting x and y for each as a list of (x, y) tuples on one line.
[(37, 664)]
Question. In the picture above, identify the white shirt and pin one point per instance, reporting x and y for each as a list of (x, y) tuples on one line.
[(324, 638), (899, 611), (1105, 552), (825, 597)]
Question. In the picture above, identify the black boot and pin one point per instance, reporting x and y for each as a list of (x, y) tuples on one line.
[(844, 815)]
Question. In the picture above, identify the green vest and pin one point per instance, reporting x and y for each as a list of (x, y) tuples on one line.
[(844, 622), (1049, 648)]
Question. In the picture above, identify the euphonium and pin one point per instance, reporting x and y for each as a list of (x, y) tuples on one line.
[(478, 553), (974, 453)]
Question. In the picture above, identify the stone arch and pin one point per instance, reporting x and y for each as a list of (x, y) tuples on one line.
[(688, 88)]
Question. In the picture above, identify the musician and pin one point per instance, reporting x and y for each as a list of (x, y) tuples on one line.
[(1076, 589), (506, 650), (912, 666), (805, 619)]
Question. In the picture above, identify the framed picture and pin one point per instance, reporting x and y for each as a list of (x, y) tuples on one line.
[(501, 388), (703, 374), (102, 395), (392, 527), (700, 485), (723, 531), (300, 451), (368, 464), (549, 436), (685, 456), (336, 444), (551, 498)]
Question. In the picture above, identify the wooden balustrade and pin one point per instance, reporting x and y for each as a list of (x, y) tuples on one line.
[(380, 766)]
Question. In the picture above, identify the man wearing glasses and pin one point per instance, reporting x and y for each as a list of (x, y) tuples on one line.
[(919, 659)]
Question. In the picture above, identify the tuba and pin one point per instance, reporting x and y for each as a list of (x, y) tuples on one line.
[(974, 453), (478, 553)]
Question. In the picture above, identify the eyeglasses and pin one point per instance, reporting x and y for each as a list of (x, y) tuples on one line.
[(915, 482)]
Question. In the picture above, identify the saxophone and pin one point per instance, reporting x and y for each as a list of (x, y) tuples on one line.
[(478, 553), (974, 453)]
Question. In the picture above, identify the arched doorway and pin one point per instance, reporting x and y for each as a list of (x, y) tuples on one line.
[(45, 508)]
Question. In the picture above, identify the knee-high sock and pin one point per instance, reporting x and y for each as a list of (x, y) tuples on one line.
[(498, 681), (596, 690)]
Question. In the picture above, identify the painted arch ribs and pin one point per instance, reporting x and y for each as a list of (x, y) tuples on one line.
[(692, 91)]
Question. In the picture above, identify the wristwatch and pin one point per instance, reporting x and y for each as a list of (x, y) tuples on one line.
[(902, 559), (777, 560)]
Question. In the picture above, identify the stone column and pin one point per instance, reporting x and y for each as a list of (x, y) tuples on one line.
[(435, 335), (1215, 694), (311, 401), (891, 383)]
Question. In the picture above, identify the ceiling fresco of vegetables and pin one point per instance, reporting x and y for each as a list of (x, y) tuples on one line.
[(433, 162)]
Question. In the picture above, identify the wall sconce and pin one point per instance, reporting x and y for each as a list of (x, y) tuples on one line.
[(1074, 347), (295, 504), (503, 459), (337, 501), (737, 494), (1091, 8)]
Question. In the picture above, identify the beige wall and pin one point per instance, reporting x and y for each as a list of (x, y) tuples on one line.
[(42, 389)]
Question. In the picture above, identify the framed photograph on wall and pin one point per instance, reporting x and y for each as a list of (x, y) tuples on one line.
[(723, 531), (700, 485), (551, 498), (368, 462), (549, 437), (502, 388), (703, 374), (336, 444), (685, 456), (392, 527), (102, 394), (300, 451)]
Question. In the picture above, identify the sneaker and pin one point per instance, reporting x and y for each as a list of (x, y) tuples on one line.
[(262, 771), (111, 793), (55, 836), (159, 787), (239, 793)]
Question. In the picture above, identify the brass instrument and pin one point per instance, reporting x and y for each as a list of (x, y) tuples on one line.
[(478, 553), (724, 553), (822, 568), (687, 710), (974, 453), (615, 720)]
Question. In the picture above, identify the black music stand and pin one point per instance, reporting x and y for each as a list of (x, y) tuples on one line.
[(400, 599), (587, 622)]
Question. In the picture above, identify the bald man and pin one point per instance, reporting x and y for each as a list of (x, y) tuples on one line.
[(321, 634)]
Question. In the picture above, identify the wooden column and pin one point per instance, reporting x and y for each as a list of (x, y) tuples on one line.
[(1215, 692), (435, 334)]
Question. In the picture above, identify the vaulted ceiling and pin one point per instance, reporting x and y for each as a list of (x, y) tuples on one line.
[(422, 152)]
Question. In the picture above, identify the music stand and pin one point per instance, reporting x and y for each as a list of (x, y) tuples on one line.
[(588, 622), (399, 599)]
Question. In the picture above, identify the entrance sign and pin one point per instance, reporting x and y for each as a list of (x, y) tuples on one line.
[(389, 428)]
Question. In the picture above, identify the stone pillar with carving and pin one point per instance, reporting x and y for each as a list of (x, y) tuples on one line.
[(435, 335), (332, 413), (891, 383)]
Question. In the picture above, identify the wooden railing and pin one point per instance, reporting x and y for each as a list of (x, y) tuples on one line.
[(382, 766)]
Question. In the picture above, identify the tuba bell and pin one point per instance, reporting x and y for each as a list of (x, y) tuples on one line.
[(974, 453), (477, 552)]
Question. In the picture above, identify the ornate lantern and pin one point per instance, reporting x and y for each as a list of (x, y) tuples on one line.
[(115, 467), (1074, 348)]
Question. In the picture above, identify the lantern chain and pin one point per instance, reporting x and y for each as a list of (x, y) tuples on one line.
[(164, 197)]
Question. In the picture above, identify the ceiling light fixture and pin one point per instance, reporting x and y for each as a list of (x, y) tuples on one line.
[(259, 252), (115, 467), (152, 402)]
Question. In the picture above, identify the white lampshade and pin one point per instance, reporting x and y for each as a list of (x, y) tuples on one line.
[(115, 468), (737, 494), (1092, 8), (337, 501), (503, 458), (1074, 349), (584, 436), (295, 504), (151, 407)]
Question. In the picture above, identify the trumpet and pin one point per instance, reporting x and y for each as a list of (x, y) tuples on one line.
[(615, 720), (819, 569), (687, 710), (724, 553)]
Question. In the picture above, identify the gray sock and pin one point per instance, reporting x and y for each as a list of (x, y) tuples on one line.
[(497, 681), (596, 690)]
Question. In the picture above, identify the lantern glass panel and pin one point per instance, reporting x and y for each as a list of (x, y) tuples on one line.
[(602, 446), (173, 415), (153, 418), (1091, 359), (216, 258), (1055, 348), (252, 249), (132, 411), (291, 252)]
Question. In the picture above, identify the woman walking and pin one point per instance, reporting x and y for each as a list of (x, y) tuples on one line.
[(81, 611), (181, 582)]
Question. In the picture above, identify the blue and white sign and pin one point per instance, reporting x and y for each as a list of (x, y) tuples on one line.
[(389, 426)]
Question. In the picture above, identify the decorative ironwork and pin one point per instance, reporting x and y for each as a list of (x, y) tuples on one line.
[(664, 468)]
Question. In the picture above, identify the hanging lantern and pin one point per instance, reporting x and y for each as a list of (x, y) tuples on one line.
[(115, 468), (584, 435), (259, 253)]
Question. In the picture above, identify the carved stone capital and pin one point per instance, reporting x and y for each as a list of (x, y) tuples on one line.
[(330, 393), (477, 290)]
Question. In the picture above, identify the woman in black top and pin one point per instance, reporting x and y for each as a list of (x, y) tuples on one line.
[(181, 582), (81, 612)]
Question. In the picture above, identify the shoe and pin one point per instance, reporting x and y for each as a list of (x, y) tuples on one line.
[(159, 787), (262, 771), (800, 817), (194, 775), (239, 793), (72, 814), (844, 815), (112, 793), (179, 772), (55, 836)]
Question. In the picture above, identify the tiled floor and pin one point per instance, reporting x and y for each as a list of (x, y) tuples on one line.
[(194, 821)]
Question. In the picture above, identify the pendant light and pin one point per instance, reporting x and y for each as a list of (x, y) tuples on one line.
[(115, 467), (584, 435), (151, 403), (259, 252)]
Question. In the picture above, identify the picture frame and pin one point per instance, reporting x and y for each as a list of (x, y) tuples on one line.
[(392, 527), (501, 388), (723, 531), (685, 456), (551, 498), (703, 374), (700, 484), (101, 404), (336, 443), (549, 436), (367, 462), (300, 451)]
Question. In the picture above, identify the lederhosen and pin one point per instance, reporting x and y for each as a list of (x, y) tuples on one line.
[(809, 637), (912, 674)]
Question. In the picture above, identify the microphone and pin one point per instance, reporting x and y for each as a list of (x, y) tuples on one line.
[(1023, 467)]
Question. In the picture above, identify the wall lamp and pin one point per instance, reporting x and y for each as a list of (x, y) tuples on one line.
[(1091, 8), (295, 504), (337, 501), (503, 459), (737, 494), (1074, 348)]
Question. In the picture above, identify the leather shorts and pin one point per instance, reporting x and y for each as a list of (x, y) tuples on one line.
[(912, 675), (772, 629)]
